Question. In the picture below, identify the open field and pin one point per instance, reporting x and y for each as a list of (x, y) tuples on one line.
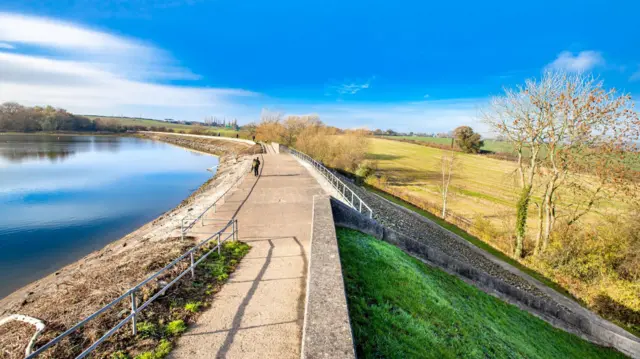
[(480, 186), (128, 121), (489, 145), (401, 308)]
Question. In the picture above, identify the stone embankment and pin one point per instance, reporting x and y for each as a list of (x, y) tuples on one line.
[(72, 293), (422, 229)]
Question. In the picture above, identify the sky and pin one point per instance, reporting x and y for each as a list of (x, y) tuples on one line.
[(406, 65)]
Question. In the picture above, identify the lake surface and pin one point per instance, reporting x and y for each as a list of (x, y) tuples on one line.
[(64, 197)]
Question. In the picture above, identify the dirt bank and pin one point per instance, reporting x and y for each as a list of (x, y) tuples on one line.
[(79, 289)]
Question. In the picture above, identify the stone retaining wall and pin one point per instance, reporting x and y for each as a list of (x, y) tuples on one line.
[(587, 325), (327, 330)]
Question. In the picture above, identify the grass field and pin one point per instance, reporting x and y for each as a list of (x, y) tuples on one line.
[(128, 121), (480, 187), (401, 308), (489, 145)]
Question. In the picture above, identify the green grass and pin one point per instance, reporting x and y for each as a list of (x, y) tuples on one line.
[(489, 145), (475, 241), (401, 308)]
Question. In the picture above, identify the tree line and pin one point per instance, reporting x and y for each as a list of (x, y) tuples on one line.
[(17, 118)]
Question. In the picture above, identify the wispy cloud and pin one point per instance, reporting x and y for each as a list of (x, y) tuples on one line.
[(350, 87), (635, 76), (4, 45), (581, 62), (90, 71)]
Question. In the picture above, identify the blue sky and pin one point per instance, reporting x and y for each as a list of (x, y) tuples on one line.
[(407, 65)]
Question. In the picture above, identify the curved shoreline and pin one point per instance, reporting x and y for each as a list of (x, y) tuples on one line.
[(78, 289)]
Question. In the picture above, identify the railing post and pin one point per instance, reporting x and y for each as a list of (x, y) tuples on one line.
[(218, 243), (134, 308), (352, 202), (360, 209), (193, 272)]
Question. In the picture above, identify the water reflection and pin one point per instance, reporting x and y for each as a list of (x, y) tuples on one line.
[(21, 148), (62, 197)]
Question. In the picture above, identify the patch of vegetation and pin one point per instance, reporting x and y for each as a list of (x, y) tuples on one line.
[(193, 307), (401, 308), (147, 330), (162, 350), (175, 328), (164, 320)]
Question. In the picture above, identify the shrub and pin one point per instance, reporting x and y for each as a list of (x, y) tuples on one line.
[(193, 307), (366, 169), (175, 327)]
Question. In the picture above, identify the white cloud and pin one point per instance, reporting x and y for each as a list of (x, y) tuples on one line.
[(583, 61), (4, 45), (351, 87), (93, 72), (48, 33)]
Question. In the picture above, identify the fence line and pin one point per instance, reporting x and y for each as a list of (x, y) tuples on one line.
[(352, 199), (220, 237)]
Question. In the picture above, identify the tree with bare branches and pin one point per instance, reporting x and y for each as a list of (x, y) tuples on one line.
[(574, 139), (448, 163)]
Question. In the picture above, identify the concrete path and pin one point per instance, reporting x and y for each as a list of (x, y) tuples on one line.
[(259, 312)]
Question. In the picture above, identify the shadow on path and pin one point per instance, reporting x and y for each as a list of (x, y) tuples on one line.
[(237, 319)]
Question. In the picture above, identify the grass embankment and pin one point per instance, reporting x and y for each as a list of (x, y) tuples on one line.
[(167, 318), (401, 308), (475, 241)]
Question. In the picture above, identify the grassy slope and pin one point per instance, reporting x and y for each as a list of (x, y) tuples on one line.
[(401, 308), (476, 242)]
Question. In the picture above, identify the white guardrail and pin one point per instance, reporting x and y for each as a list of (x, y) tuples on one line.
[(187, 223), (349, 196)]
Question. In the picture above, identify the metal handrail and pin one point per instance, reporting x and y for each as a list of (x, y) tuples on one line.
[(349, 196), (184, 228), (132, 292)]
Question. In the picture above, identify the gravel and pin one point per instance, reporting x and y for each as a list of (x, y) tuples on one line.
[(420, 228)]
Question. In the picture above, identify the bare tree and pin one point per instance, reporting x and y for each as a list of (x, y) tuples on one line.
[(570, 135), (448, 162)]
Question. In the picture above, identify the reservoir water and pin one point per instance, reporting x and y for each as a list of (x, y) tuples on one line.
[(62, 197)]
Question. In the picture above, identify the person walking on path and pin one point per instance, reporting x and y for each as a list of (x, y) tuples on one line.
[(256, 166)]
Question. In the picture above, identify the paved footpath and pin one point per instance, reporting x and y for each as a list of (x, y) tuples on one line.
[(259, 312)]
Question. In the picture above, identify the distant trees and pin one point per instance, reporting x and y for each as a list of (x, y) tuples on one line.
[(467, 140), (18, 118), (572, 137), (334, 147)]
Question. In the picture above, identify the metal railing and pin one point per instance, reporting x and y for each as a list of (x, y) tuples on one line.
[(188, 221), (186, 224), (349, 196), (219, 237)]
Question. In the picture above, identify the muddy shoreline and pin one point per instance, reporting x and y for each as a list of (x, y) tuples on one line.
[(72, 293)]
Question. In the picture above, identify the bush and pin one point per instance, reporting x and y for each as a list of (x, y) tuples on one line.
[(175, 327), (366, 169)]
